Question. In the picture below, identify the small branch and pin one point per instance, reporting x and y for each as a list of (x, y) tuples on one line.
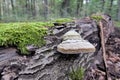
[(103, 47)]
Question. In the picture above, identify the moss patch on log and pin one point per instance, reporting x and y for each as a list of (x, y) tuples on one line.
[(63, 20), (25, 33), (22, 34), (96, 17)]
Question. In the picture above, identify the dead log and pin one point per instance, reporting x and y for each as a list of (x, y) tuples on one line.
[(48, 64)]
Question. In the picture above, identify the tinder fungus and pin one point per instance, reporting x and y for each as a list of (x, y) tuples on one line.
[(74, 44)]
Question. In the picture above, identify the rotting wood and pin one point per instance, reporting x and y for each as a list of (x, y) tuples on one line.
[(48, 64)]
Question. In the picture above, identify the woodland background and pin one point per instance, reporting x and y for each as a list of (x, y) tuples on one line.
[(42, 10)]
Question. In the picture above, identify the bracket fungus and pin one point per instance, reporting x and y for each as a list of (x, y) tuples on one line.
[(74, 44)]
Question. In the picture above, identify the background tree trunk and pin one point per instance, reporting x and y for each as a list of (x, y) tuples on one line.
[(119, 10), (0, 11), (12, 4), (33, 9), (110, 7), (65, 8), (103, 4), (45, 7), (79, 7)]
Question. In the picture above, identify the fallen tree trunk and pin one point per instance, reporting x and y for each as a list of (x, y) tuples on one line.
[(48, 64)]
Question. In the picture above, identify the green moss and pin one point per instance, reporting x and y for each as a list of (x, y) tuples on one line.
[(22, 34), (42, 24), (96, 17), (63, 20), (77, 74)]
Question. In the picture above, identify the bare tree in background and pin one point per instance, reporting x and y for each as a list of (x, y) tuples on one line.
[(65, 7), (119, 10), (45, 6), (110, 7), (79, 7), (103, 4), (0, 10), (13, 9)]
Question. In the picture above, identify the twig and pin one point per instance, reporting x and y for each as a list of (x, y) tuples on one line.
[(103, 47)]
